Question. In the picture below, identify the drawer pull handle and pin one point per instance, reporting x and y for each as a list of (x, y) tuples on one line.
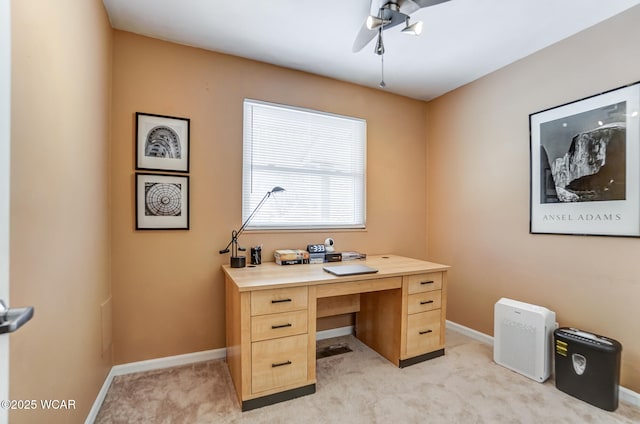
[(426, 282), (426, 302), (273, 327), (281, 300), (425, 332), (280, 364)]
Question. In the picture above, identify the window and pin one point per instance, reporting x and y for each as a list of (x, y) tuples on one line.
[(318, 158)]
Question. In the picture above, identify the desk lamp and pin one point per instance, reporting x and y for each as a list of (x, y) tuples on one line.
[(241, 261)]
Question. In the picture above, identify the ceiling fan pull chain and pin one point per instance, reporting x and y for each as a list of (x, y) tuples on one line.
[(382, 83)]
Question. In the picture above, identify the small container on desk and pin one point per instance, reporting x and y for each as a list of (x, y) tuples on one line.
[(256, 255)]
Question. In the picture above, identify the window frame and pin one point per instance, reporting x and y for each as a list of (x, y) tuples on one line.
[(247, 182)]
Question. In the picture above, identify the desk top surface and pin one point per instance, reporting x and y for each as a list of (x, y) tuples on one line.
[(270, 275)]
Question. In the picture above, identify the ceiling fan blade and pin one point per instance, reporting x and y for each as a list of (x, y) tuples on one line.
[(365, 35), (427, 3), (375, 6)]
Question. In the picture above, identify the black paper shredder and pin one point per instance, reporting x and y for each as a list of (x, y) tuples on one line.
[(587, 366)]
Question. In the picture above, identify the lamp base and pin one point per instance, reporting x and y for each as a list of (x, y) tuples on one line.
[(238, 262)]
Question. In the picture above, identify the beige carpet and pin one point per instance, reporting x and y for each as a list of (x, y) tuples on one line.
[(464, 386)]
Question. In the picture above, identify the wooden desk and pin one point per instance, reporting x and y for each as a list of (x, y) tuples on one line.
[(271, 313)]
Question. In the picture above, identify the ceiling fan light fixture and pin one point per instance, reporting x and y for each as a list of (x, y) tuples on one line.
[(373, 22), (413, 29)]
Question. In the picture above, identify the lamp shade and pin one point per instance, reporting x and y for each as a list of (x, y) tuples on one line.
[(373, 22), (413, 29)]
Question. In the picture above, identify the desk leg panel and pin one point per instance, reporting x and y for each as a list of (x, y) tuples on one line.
[(443, 309), (238, 327), (232, 324), (379, 321), (311, 329)]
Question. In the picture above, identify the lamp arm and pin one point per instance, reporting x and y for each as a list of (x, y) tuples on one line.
[(236, 234), (244, 225)]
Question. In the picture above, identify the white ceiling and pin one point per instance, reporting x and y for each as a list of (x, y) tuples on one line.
[(462, 39)]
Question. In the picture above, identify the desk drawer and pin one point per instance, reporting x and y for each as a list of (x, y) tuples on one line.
[(278, 300), (424, 282), (422, 302), (271, 326), (279, 362), (423, 332)]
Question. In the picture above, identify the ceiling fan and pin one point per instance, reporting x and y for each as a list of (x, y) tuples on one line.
[(385, 14)]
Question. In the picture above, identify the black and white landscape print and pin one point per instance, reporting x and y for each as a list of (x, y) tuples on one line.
[(583, 156), (585, 166)]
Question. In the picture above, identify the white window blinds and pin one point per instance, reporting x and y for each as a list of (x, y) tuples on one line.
[(318, 158)]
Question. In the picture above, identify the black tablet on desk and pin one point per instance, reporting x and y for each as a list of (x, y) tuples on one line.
[(342, 270)]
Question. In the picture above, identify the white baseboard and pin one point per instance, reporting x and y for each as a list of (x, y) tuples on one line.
[(624, 395), (150, 365), (470, 332), (629, 396), (169, 361), (93, 413)]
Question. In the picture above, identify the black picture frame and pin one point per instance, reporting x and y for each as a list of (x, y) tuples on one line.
[(162, 142), (162, 201), (585, 166)]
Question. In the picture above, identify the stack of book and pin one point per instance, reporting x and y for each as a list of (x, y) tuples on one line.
[(291, 256)]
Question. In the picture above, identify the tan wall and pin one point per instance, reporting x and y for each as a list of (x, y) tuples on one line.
[(61, 65), (478, 186), (167, 285)]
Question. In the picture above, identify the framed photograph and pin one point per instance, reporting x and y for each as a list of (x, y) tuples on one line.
[(162, 143), (162, 202), (585, 161)]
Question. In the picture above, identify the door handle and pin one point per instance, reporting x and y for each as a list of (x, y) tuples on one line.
[(11, 319)]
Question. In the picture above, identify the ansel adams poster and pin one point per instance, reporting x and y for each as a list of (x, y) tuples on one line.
[(584, 166)]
